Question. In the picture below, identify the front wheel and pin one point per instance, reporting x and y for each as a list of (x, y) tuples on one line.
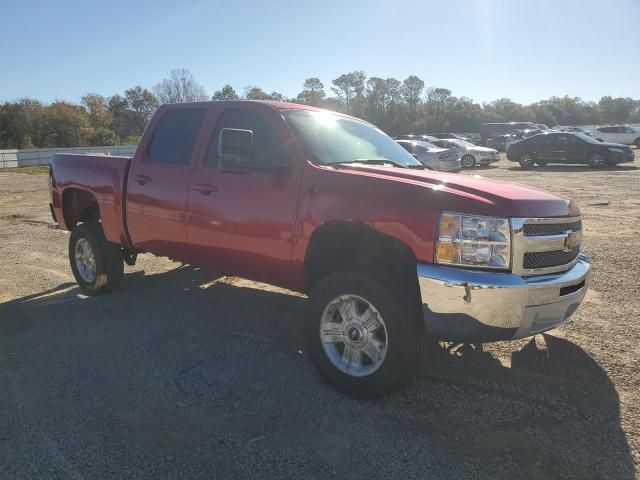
[(597, 160), (527, 160), (96, 264), (361, 337), (468, 161)]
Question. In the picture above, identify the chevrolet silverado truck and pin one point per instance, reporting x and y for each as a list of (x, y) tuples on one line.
[(392, 255)]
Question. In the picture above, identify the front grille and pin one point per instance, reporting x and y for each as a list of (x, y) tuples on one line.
[(549, 259), (541, 229)]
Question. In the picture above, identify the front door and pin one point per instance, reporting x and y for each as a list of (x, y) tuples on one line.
[(159, 181), (241, 221)]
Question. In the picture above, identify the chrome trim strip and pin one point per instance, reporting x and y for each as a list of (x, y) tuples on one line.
[(549, 243)]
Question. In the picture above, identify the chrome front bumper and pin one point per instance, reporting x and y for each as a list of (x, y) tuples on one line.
[(474, 305)]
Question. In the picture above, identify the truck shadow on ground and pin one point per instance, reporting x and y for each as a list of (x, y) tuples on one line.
[(184, 366)]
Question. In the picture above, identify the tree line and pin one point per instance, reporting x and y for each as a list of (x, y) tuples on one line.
[(396, 106)]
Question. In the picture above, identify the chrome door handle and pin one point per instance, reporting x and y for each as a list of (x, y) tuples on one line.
[(205, 188), (141, 179)]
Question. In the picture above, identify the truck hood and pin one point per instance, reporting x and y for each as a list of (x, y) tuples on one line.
[(473, 194)]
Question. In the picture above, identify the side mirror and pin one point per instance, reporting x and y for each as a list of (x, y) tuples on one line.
[(414, 156), (238, 153)]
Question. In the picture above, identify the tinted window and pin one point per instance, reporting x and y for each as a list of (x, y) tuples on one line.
[(542, 138), (564, 139), (606, 129), (265, 140), (175, 136)]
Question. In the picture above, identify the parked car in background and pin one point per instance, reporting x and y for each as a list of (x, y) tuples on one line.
[(518, 135), (502, 142), (577, 130), (470, 155), (475, 138), (492, 130), (568, 147), (618, 134), (430, 155), (415, 137), (443, 135)]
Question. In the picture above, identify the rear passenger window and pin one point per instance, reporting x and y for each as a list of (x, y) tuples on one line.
[(265, 141), (175, 136)]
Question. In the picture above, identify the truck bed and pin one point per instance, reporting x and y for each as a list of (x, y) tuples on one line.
[(102, 176)]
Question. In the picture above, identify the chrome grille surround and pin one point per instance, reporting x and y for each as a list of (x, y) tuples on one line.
[(556, 242)]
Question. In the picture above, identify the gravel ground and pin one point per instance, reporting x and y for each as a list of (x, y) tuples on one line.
[(184, 374)]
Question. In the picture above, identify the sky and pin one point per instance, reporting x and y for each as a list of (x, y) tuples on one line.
[(525, 50)]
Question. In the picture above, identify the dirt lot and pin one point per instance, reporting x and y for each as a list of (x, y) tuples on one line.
[(184, 374)]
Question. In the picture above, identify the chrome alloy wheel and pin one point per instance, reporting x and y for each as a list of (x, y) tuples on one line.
[(597, 160), (353, 335), (85, 260), (526, 160)]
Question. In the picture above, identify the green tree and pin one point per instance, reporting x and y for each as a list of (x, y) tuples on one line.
[(226, 93), (256, 93), (412, 88), (312, 92), (65, 125)]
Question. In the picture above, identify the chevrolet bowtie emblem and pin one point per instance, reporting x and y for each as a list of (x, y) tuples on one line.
[(571, 241)]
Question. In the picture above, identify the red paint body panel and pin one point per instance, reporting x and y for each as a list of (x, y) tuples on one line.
[(104, 177), (258, 225)]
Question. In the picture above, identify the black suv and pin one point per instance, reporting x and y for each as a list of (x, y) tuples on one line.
[(567, 147), (488, 130)]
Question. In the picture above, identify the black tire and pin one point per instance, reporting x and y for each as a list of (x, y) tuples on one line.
[(527, 160), (468, 161), (637, 142), (109, 265), (401, 325), (597, 160), (541, 163)]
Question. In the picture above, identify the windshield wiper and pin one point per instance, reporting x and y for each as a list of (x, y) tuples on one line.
[(371, 161)]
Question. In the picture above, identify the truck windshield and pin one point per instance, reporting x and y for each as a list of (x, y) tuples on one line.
[(332, 139)]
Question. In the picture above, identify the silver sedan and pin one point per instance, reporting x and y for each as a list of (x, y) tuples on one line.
[(441, 159), (470, 154)]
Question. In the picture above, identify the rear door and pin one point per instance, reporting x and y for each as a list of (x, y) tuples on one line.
[(159, 180), (241, 222), (540, 146)]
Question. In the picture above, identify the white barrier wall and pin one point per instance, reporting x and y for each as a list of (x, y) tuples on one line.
[(42, 156)]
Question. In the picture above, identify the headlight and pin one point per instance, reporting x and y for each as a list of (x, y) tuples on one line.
[(475, 241), (619, 150)]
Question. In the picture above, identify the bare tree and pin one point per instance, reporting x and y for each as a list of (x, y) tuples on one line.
[(180, 87)]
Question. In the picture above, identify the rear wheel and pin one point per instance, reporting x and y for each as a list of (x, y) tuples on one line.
[(96, 264), (527, 160), (597, 160), (468, 161), (361, 337)]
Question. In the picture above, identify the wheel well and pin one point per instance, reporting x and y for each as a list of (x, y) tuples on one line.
[(79, 206), (339, 246)]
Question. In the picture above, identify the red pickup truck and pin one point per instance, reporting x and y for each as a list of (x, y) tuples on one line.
[(391, 254)]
